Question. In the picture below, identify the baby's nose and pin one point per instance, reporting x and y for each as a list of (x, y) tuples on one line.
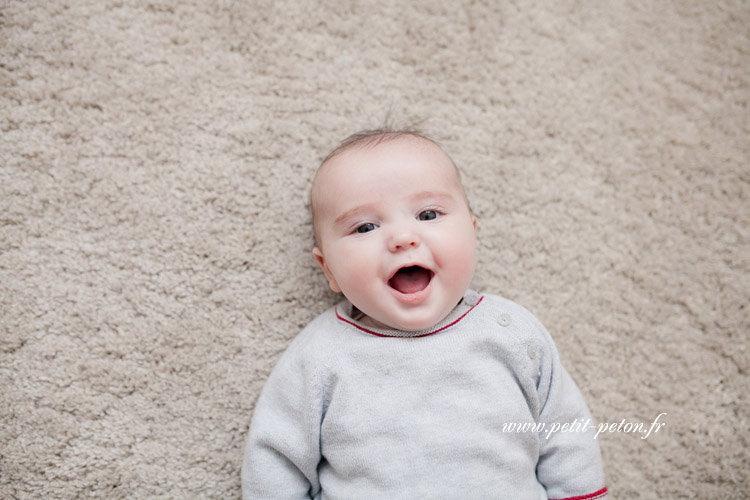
[(403, 240)]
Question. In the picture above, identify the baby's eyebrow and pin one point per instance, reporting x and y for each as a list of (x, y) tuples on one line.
[(441, 195), (353, 213)]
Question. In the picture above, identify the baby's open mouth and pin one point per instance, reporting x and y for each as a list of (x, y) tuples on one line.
[(411, 279)]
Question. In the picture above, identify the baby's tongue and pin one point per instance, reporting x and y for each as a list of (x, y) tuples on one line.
[(410, 279)]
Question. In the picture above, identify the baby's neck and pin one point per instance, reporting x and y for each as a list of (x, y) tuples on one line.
[(358, 315)]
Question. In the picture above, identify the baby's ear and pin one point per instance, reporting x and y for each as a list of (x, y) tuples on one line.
[(320, 259)]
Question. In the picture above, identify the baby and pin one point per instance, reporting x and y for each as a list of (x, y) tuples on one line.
[(415, 386)]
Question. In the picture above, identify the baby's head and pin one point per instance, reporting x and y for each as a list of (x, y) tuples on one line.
[(393, 229)]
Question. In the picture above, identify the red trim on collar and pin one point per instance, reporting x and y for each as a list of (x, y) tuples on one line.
[(336, 310), (591, 496)]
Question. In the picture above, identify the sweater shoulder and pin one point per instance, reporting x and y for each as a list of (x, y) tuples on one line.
[(497, 305), (312, 344), (507, 312)]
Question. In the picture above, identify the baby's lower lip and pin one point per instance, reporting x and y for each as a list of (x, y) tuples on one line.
[(415, 297)]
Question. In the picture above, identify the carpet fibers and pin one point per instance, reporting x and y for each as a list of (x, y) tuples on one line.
[(155, 160)]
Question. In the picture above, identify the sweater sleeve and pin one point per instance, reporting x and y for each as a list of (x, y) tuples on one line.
[(283, 446), (570, 464)]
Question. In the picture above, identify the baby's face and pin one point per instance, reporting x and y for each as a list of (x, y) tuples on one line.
[(395, 232)]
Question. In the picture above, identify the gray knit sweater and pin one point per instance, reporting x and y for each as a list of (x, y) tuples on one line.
[(355, 413)]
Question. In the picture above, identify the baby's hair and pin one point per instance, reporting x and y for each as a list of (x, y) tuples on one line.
[(371, 138)]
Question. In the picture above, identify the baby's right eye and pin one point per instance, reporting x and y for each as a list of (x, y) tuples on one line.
[(366, 227)]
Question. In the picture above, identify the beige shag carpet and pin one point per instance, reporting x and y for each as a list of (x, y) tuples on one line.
[(155, 160)]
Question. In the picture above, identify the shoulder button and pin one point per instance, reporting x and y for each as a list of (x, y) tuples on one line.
[(531, 351), (504, 320), (471, 298)]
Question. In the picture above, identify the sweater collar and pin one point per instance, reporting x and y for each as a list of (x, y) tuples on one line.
[(468, 302)]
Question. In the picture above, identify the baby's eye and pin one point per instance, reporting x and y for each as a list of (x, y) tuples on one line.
[(366, 227), (428, 215)]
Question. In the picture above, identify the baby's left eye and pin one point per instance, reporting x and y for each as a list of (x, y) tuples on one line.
[(428, 215)]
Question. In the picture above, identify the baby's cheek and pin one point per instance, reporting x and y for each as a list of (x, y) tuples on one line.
[(463, 248), (464, 258), (359, 288)]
